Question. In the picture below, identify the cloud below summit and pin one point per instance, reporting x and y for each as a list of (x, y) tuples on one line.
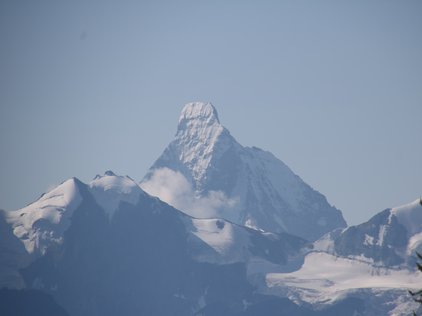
[(173, 188)]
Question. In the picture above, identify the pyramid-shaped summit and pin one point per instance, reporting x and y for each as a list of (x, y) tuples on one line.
[(199, 111), (247, 186), (199, 137)]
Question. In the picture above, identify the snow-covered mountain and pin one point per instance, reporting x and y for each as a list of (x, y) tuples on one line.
[(205, 172), (108, 247), (90, 245), (42, 225), (390, 238), (236, 247), (373, 261)]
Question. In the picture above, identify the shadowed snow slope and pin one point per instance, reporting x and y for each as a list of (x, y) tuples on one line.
[(248, 186)]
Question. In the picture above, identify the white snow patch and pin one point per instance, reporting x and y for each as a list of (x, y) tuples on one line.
[(251, 224), (381, 235), (369, 240)]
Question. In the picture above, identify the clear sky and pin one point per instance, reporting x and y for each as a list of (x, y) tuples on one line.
[(332, 88)]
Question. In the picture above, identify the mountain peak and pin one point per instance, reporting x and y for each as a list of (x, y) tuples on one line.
[(199, 136), (198, 111), (245, 185), (109, 173)]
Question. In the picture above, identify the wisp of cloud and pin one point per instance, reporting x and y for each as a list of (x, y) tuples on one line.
[(173, 188)]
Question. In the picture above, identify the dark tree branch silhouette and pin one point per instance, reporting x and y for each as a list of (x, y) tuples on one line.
[(417, 296)]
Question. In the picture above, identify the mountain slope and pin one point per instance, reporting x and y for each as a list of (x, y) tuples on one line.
[(43, 222), (137, 255), (325, 279), (12, 256), (373, 261), (28, 303), (390, 238), (116, 250), (42, 225), (245, 185)]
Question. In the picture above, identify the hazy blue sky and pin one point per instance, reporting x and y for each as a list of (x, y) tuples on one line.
[(332, 88)]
